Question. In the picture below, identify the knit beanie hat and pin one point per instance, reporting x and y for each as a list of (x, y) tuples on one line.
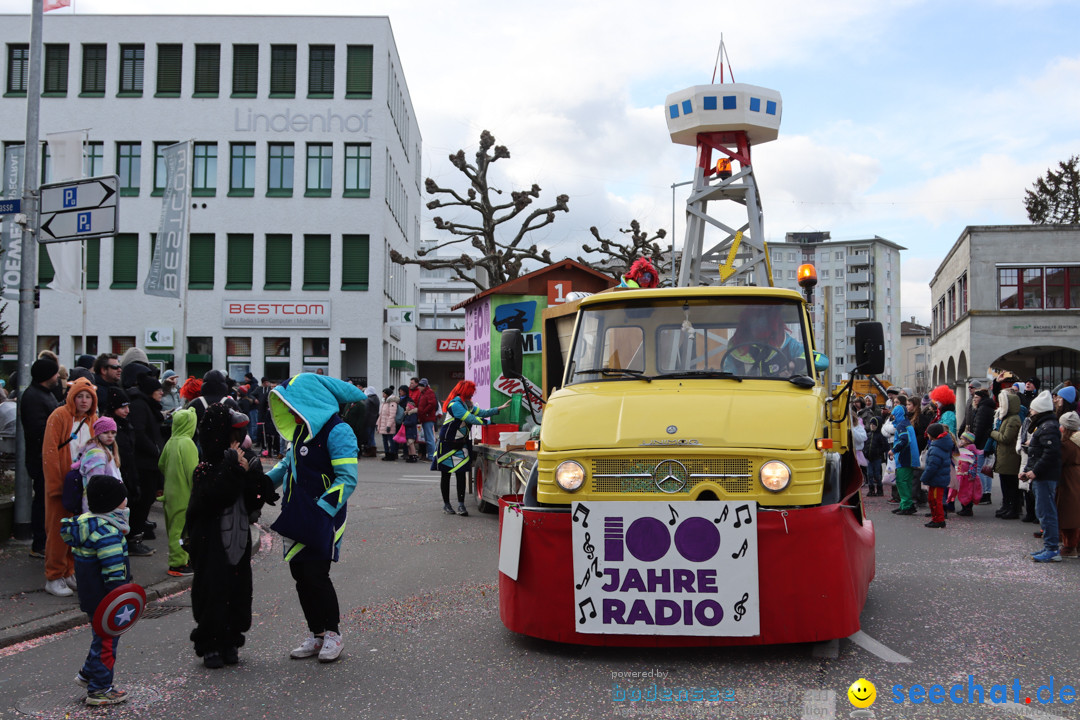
[(104, 493), (1042, 403), (43, 369), (1034, 381), (925, 400), (936, 430), (968, 437), (1070, 421), (103, 425), (1068, 394), (148, 384)]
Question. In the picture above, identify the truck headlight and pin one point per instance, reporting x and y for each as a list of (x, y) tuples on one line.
[(570, 476), (775, 475)]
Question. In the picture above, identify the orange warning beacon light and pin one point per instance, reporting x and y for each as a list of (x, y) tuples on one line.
[(807, 275)]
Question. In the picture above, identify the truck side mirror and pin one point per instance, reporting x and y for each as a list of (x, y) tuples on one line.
[(510, 350), (869, 348), (821, 362)]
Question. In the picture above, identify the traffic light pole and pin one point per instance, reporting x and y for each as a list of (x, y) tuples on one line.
[(24, 490)]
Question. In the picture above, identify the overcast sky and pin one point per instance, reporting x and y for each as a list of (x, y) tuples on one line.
[(907, 119)]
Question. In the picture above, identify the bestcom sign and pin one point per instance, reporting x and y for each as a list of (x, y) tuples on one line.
[(275, 313)]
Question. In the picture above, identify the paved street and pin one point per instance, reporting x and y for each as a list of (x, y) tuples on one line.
[(423, 638)]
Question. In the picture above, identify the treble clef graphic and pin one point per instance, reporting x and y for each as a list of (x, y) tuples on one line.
[(740, 607), (588, 547)]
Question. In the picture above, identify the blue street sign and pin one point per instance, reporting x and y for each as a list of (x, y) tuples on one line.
[(10, 206)]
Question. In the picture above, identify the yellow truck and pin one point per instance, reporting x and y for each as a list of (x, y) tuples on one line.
[(693, 483)]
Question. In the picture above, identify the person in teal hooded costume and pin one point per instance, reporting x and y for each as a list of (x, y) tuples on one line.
[(317, 476)]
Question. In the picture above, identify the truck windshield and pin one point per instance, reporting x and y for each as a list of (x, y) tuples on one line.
[(690, 338)]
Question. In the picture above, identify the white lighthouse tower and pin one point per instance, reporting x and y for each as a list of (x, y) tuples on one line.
[(724, 121)]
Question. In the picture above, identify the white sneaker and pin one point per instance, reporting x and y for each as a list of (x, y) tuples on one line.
[(331, 647), (311, 646), (70, 582), (58, 588)]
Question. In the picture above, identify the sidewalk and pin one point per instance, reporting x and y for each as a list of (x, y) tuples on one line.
[(28, 612)]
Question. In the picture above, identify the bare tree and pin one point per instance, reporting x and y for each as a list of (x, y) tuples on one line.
[(1056, 199), (621, 255), (501, 257)]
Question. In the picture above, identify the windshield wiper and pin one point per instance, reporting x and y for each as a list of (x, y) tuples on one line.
[(722, 374), (803, 381), (616, 371)]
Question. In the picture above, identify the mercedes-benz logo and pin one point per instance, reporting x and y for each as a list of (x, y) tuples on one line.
[(670, 476), (671, 429)]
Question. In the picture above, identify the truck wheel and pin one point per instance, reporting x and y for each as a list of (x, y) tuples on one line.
[(481, 504)]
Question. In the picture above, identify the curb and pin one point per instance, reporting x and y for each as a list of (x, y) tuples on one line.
[(68, 619)]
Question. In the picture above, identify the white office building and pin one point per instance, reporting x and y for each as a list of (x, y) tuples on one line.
[(305, 174), (858, 280)]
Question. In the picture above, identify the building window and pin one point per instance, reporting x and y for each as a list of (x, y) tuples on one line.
[(245, 71), (207, 70), (278, 262), (357, 170), (354, 262), (950, 297), (131, 70), (160, 169), (18, 69), (358, 72), (204, 170), (201, 262), (282, 71), (93, 263), (46, 163), (56, 70), (241, 169), (321, 71), (93, 159), (46, 273), (240, 269), (169, 70), (839, 291), (838, 255), (129, 167), (125, 261), (825, 274), (93, 70), (963, 294), (280, 183), (316, 262), (839, 273), (320, 167), (1062, 287)]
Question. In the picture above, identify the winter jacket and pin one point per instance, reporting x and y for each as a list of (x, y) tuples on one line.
[(948, 419), (905, 445), (101, 558), (57, 448), (371, 411), (427, 404), (876, 445), (387, 424), (938, 462), (318, 473), (96, 460), (1007, 459), (37, 404), (1068, 494), (1044, 447), (983, 423), (129, 469), (146, 418)]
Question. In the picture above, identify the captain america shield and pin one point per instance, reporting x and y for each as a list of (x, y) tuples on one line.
[(119, 610)]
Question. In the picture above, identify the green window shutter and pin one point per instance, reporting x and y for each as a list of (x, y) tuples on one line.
[(354, 262), (56, 69), (207, 70), (93, 263), (282, 70), (125, 261), (358, 72), (316, 262), (245, 70), (93, 71), (241, 254), (278, 262), (169, 70), (321, 71), (45, 268), (201, 262), (131, 69)]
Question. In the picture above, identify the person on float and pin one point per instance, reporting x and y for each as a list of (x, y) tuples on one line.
[(454, 451)]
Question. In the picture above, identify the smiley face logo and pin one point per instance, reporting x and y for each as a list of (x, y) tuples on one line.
[(862, 693)]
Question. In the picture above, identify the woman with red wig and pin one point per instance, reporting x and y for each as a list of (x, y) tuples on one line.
[(944, 400), (453, 453)]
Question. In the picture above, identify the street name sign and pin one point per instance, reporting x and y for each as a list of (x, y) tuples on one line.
[(8, 207), (79, 209)]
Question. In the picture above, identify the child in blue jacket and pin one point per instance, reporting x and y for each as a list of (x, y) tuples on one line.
[(905, 451), (936, 473), (101, 565)]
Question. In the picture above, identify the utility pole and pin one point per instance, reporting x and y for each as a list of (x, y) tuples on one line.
[(27, 321)]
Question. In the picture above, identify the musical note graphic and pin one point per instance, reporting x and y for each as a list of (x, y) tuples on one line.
[(742, 550), (723, 516), (584, 580), (740, 607), (674, 515), (588, 547), (581, 608), (738, 520), (590, 571), (584, 512)]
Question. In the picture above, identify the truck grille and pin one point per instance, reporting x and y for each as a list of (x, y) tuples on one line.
[(630, 475)]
